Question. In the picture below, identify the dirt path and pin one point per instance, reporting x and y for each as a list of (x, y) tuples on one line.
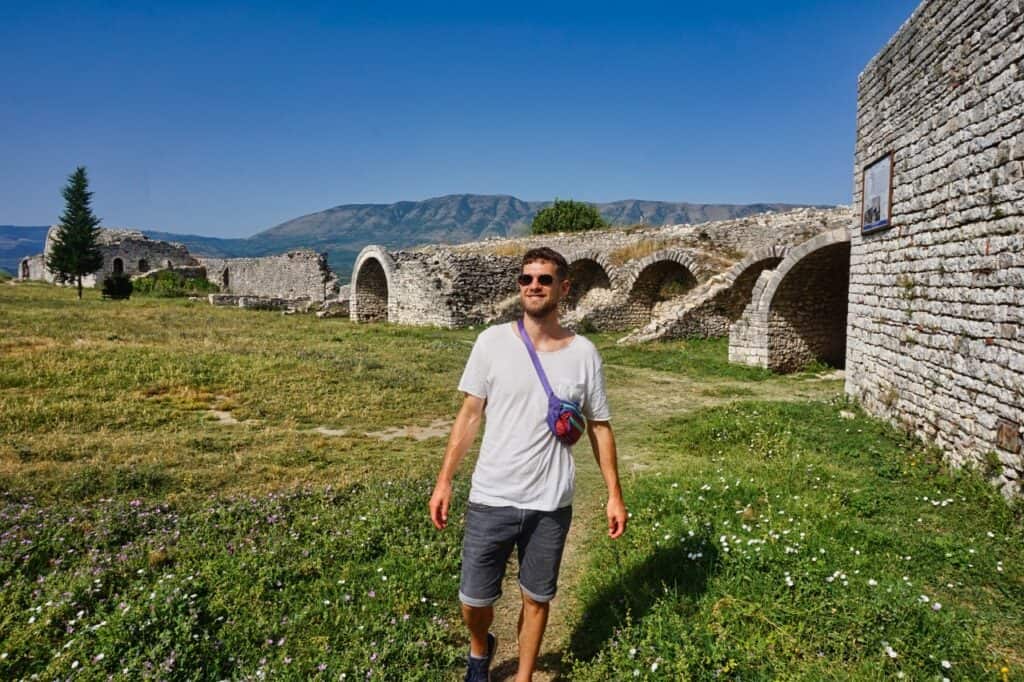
[(650, 395)]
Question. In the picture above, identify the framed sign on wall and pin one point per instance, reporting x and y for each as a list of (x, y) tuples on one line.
[(876, 195)]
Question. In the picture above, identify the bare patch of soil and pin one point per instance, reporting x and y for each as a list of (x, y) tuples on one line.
[(439, 428), (325, 431)]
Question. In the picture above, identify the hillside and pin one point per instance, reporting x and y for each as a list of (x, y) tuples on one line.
[(344, 230)]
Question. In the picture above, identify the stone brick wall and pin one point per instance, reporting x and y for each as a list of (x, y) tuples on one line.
[(711, 309), (936, 325), (294, 275), (807, 318), (619, 274), (798, 310), (126, 251), (32, 267)]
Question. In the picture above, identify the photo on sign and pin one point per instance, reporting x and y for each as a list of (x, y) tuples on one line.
[(877, 194)]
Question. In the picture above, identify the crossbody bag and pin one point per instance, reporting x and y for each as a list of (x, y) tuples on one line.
[(565, 419)]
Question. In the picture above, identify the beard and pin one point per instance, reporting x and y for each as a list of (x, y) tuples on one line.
[(542, 311)]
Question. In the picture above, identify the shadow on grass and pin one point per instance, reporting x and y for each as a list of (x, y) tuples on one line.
[(682, 570), (549, 664)]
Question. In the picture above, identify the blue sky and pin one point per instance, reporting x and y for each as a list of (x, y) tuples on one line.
[(224, 119)]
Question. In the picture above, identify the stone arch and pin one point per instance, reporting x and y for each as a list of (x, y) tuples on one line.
[(742, 277), (118, 266), (26, 271), (143, 265), (798, 311), (653, 279), (588, 270), (665, 261), (371, 290)]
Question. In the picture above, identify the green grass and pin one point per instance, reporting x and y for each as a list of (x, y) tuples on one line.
[(5, 276), (302, 584), (781, 541), (93, 393), (694, 358), (134, 525)]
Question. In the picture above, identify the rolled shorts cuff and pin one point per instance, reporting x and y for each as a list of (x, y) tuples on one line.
[(472, 601), (540, 599)]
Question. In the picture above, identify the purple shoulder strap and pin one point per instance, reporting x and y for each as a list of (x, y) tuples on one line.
[(536, 361)]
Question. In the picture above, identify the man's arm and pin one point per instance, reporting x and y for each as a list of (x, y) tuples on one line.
[(464, 431), (602, 442)]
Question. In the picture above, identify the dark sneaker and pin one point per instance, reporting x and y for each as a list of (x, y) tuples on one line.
[(479, 669)]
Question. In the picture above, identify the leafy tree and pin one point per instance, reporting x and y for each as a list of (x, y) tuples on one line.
[(75, 249), (567, 216)]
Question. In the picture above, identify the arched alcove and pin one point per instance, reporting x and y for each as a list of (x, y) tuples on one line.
[(797, 314), (585, 274), (656, 278), (143, 265), (26, 271), (372, 292), (807, 310), (118, 266)]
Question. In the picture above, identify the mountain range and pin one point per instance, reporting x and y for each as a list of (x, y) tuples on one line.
[(344, 230)]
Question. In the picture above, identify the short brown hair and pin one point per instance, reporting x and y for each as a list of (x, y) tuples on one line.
[(550, 255)]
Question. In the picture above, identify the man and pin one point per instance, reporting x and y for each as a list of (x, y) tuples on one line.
[(522, 487)]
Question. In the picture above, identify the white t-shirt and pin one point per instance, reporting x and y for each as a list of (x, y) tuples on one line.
[(521, 463)]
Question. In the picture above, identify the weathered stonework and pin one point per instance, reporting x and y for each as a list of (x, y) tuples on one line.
[(797, 312), (453, 286), (711, 309), (126, 252), (936, 324), (295, 275)]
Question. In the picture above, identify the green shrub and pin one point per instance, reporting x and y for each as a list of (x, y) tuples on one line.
[(4, 275), (170, 284), (567, 216), (117, 287)]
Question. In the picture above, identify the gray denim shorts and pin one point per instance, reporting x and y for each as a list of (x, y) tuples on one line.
[(492, 532)]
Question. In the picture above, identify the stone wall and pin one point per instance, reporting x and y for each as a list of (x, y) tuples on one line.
[(936, 325), (798, 310), (712, 308), (33, 267), (622, 278), (295, 275), (124, 251)]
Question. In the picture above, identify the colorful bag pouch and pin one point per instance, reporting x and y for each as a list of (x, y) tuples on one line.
[(565, 419)]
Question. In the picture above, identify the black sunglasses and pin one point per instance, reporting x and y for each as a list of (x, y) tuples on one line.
[(544, 280)]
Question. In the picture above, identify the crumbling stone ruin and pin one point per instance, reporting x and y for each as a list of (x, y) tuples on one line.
[(127, 252), (797, 309), (623, 278), (291, 277), (936, 308), (269, 282)]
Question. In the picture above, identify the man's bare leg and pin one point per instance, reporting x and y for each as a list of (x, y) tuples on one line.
[(533, 618), (478, 619)]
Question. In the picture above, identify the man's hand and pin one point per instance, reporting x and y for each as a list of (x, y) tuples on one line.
[(616, 517), (439, 503)]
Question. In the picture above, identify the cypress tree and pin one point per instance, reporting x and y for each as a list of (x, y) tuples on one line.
[(75, 249)]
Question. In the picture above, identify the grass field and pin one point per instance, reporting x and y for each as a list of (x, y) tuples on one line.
[(190, 492)]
